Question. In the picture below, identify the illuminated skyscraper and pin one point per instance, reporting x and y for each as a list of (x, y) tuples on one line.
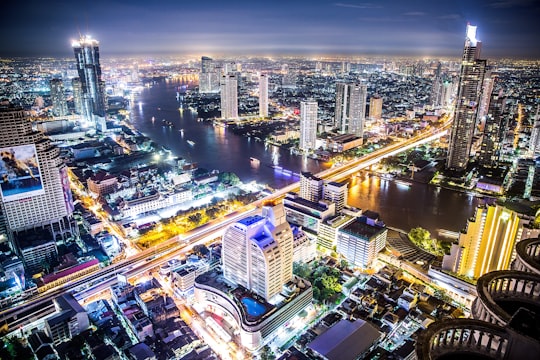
[(487, 244), (93, 87), (350, 110), (229, 97), (308, 125), (263, 95), (467, 102), (375, 107), (257, 252), (33, 178), (494, 131), (58, 98)]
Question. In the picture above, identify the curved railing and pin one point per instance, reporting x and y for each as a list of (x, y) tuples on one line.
[(465, 337), (527, 256), (505, 285)]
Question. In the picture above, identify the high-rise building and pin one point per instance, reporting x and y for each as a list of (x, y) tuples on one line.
[(86, 52), (488, 241), (468, 98), (494, 131), (263, 95), (58, 97), (78, 101), (308, 125), (437, 88), (229, 97), (350, 110), (33, 178), (336, 192), (311, 187), (534, 142), (360, 241), (208, 77), (375, 107), (257, 252)]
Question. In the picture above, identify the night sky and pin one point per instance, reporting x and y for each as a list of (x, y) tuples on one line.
[(507, 28)]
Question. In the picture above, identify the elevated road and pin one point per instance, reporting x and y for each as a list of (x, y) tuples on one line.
[(41, 305)]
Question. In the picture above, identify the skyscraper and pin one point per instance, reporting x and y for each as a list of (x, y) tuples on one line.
[(467, 102), (534, 142), (350, 110), (229, 97), (257, 252), (208, 76), (33, 178), (494, 131), (263, 95), (437, 88), (58, 98), (77, 96), (375, 107), (93, 87), (308, 125)]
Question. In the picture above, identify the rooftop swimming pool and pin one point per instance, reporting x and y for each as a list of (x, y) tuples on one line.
[(253, 307)]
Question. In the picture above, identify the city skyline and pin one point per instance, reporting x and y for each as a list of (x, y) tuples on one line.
[(417, 28)]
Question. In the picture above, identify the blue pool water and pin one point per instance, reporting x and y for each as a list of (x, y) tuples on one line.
[(253, 307)]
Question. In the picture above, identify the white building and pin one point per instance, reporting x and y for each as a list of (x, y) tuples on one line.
[(34, 182), (229, 96), (337, 193), (257, 252), (263, 95), (311, 187), (350, 110), (308, 125), (360, 241)]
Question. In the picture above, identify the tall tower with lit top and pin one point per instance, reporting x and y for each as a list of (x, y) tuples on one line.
[(86, 52), (467, 102)]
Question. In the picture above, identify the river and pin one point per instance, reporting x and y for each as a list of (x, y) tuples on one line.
[(400, 206)]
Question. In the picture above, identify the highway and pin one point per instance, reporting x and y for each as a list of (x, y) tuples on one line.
[(40, 305)]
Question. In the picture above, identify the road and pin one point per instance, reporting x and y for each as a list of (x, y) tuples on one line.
[(23, 314)]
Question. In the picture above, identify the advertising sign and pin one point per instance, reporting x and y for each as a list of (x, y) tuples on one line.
[(20, 176)]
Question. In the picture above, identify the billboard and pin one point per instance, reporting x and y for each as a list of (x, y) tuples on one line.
[(68, 197), (19, 172)]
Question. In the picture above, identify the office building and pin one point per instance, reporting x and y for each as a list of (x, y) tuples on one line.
[(361, 240), (37, 249), (467, 103), (257, 252), (208, 77), (34, 182), (256, 290), (308, 125), (229, 97), (70, 319), (263, 95), (488, 241), (58, 98), (307, 214), (311, 187), (77, 96), (435, 97), (350, 108), (375, 107), (494, 131), (336, 193)]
